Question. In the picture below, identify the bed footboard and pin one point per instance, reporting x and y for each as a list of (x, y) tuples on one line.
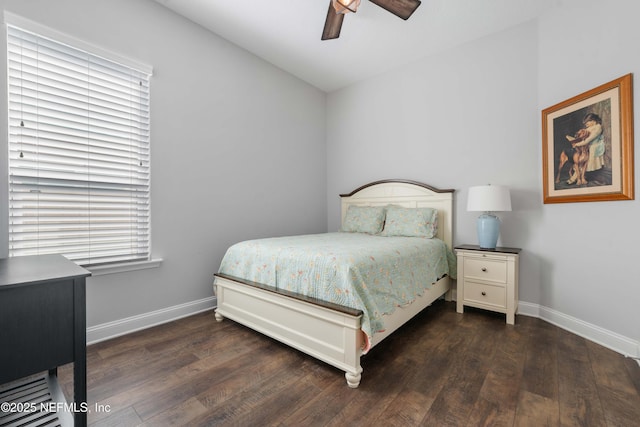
[(328, 334)]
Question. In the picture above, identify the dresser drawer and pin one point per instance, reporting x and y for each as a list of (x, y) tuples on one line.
[(485, 269), (493, 295)]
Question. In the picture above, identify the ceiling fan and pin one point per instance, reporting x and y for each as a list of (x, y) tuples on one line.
[(338, 8)]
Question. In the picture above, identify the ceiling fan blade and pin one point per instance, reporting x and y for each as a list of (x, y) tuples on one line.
[(333, 24), (401, 8)]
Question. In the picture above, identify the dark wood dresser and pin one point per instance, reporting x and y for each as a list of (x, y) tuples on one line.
[(42, 326)]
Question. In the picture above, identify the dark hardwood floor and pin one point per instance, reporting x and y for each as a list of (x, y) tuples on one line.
[(441, 369)]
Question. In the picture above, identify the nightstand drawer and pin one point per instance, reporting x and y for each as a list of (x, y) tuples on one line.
[(485, 269), (493, 295)]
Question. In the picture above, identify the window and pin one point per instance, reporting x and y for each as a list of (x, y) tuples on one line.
[(78, 153)]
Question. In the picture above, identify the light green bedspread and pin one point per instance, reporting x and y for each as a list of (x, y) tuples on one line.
[(372, 273)]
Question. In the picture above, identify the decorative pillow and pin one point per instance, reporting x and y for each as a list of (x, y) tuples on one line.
[(364, 219), (411, 222)]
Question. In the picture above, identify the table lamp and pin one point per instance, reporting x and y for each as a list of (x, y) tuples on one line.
[(488, 199)]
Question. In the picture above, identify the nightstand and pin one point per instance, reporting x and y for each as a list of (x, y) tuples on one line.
[(488, 279)]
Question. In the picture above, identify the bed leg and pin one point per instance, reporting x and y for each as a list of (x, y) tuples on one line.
[(219, 317), (353, 380)]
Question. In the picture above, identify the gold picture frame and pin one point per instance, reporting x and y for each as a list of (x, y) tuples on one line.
[(587, 145)]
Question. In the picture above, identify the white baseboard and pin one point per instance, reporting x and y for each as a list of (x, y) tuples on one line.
[(611, 340), (125, 326), (604, 337)]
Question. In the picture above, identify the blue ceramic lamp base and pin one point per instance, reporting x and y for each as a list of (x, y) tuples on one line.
[(488, 230)]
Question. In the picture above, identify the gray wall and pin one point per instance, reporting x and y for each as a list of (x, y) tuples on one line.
[(472, 116), (587, 252), (238, 148)]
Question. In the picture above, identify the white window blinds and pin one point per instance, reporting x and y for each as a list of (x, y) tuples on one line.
[(78, 153)]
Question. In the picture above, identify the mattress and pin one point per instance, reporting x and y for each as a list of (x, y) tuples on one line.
[(371, 273)]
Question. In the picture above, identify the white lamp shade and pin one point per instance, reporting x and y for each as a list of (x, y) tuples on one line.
[(489, 198)]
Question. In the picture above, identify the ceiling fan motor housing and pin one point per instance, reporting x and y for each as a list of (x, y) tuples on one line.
[(346, 6)]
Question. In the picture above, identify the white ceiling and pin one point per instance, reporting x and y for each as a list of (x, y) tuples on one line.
[(287, 33)]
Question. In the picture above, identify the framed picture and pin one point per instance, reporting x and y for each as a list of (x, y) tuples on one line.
[(587, 145)]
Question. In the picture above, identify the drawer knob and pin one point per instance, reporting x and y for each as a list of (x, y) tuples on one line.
[(484, 294), (484, 269)]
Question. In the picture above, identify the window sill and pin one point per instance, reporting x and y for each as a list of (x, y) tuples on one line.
[(124, 267)]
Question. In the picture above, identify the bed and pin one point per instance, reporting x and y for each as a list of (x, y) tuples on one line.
[(338, 331)]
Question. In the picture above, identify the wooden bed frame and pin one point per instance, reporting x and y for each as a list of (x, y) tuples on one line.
[(330, 332)]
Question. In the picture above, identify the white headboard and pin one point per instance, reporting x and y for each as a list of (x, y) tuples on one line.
[(409, 194)]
